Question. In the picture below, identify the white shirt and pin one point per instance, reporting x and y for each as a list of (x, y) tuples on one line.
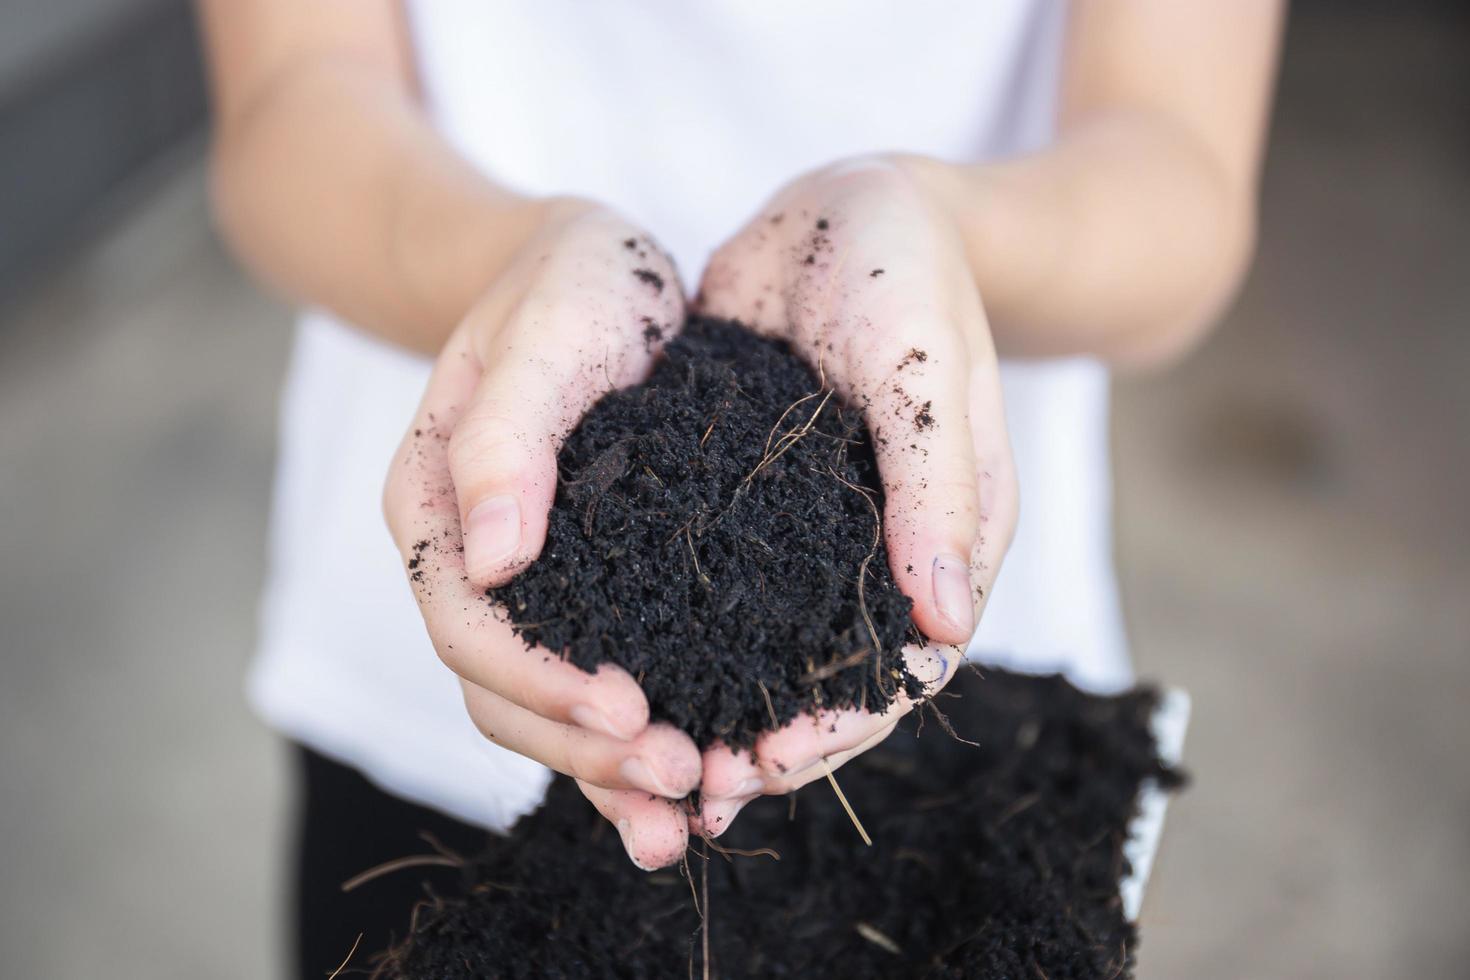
[(684, 117)]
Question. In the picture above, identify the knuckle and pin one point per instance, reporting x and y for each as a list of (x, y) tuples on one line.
[(481, 712), (455, 658), (577, 763), (484, 446)]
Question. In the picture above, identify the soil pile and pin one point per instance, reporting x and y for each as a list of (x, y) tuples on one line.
[(995, 860), (716, 533)]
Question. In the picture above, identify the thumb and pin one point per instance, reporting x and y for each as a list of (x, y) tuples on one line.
[(926, 457), (949, 496), (502, 461), (502, 452)]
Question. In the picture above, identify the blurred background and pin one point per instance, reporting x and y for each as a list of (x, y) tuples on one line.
[(1292, 502)]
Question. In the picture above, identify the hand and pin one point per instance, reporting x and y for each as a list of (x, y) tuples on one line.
[(859, 268), (583, 309)]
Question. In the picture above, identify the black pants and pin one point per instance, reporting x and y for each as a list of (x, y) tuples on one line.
[(347, 826)]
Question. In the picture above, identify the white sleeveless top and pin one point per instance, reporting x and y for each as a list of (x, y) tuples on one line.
[(685, 117)]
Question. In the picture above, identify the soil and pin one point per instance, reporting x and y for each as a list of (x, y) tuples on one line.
[(715, 532), (1000, 859)]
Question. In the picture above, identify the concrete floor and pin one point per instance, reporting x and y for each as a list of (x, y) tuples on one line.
[(1292, 538)]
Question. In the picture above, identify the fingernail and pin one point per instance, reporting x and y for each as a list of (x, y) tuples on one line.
[(929, 665), (952, 592), (718, 815), (625, 831), (595, 720), (492, 533), (640, 774)]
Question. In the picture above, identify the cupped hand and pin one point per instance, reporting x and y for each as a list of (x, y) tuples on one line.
[(582, 309), (859, 267)]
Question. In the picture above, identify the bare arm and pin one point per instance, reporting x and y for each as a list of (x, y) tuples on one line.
[(333, 187), (905, 277), (329, 182), (1127, 236)]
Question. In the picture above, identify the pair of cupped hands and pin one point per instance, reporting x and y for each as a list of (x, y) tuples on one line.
[(858, 265)]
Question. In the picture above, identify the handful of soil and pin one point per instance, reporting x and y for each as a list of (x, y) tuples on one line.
[(716, 533), (1000, 859)]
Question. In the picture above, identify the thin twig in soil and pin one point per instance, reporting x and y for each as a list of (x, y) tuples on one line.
[(918, 857), (846, 805), (863, 574), (833, 668), (789, 439), (769, 852), (944, 722), (877, 938), (937, 802), (770, 708), (682, 528), (348, 959), (688, 873), (704, 887), (1020, 806), (770, 436), (399, 864), (689, 536), (439, 846)]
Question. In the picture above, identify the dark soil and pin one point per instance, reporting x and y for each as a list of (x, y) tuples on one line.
[(1000, 860), (715, 533)]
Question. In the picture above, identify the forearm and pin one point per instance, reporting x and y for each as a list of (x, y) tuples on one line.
[(333, 188), (1123, 240)]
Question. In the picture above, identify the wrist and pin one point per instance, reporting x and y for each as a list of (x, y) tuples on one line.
[(993, 208), (449, 263)]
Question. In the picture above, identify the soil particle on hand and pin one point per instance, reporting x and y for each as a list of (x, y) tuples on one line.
[(924, 418), (652, 278), (875, 273), (416, 574), (999, 856), (715, 533)]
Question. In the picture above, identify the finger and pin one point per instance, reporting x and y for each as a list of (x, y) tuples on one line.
[(469, 632), (804, 742), (592, 323), (714, 817), (729, 773), (869, 285), (655, 831), (915, 398), (662, 760), (792, 782), (732, 776)]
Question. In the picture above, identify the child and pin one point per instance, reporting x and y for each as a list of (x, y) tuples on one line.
[(504, 192)]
